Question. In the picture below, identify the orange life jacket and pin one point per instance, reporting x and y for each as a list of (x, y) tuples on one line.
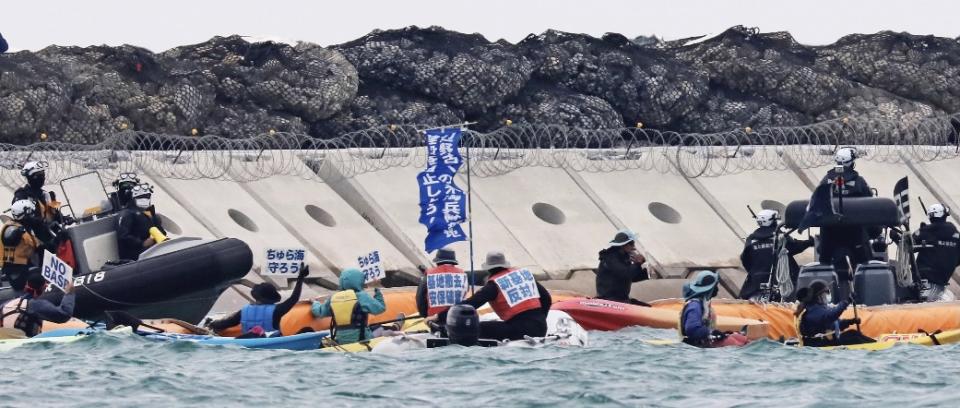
[(446, 286), (518, 293)]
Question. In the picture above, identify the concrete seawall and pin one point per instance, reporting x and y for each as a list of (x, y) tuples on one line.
[(553, 220)]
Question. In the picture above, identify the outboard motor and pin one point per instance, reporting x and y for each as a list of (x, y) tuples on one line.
[(463, 325), (875, 284), (817, 271)]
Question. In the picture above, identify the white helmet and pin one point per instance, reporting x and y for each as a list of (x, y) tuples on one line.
[(22, 208), (141, 190), (938, 211), (766, 218), (845, 156), (33, 167)]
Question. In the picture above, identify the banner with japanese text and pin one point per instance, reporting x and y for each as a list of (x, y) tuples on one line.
[(442, 204)]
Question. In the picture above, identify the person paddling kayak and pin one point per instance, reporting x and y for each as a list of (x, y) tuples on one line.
[(264, 313), (820, 325), (515, 296), (698, 321), (620, 267), (350, 308), (28, 312)]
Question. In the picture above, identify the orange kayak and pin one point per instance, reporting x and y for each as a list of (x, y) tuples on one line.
[(876, 320)]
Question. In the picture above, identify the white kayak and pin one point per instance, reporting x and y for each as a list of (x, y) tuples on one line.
[(48, 337), (562, 330)]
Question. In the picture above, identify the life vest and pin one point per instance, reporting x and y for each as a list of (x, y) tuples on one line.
[(257, 315), (15, 315), (347, 313), (18, 254), (829, 335), (708, 318), (518, 293), (446, 286)]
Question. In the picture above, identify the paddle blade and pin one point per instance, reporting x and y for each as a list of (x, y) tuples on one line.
[(120, 318)]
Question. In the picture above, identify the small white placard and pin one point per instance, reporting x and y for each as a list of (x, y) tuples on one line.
[(56, 271), (283, 261), (371, 267)]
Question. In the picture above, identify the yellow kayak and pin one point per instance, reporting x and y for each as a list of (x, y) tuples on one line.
[(887, 341), (410, 326), (884, 342)]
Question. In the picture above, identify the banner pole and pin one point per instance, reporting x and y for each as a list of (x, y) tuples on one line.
[(473, 273)]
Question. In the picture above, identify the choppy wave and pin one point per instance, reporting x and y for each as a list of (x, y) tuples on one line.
[(617, 370)]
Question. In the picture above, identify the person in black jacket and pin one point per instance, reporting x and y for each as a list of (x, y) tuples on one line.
[(620, 266), (760, 254), (134, 223), (842, 242), (938, 248), (3, 45), (265, 312)]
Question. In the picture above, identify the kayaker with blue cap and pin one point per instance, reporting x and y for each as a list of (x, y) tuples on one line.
[(820, 325), (698, 321), (620, 266), (264, 313)]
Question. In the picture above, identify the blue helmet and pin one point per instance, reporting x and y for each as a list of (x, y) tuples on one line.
[(704, 283)]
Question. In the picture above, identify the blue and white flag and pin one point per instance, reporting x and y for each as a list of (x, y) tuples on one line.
[(443, 205)]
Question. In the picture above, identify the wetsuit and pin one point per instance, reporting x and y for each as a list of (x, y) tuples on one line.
[(279, 311), (842, 242), (616, 273), (28, 314), (133, 227), (759, 256), (938, 248), (527, 318), (820, 325)]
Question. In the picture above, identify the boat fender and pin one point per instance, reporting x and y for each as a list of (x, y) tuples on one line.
[(463, 325)]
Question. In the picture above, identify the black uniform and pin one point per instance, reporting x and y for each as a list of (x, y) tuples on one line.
[(842, 242), (616, 273), (133, 227), (759, 255), (938, 247), (3, 45)]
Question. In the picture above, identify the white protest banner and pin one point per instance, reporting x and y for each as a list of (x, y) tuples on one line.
[(370, 266), (56, 271), (283, 261)]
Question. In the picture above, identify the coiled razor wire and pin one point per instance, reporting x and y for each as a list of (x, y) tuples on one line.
[(494, 153)]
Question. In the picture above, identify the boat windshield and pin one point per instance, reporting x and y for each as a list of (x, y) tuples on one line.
[(86, 195)]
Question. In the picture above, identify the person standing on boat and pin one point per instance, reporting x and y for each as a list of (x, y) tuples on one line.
[(938, 248), (138, 226), (48, 208), (820, 325), (124, 185), (515, 296), (264, 313), (3, 45), (620, 266), (760, 254), (698, 321), (441, 286), (28, 312), (350, 308), (842, 242), (21, 245)]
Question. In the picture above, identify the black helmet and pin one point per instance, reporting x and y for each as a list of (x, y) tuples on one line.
[(810, 293)]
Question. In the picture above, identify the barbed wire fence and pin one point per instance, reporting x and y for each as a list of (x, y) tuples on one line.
[(495, 153)]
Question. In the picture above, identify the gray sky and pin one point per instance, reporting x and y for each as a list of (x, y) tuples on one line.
[(160, 25)]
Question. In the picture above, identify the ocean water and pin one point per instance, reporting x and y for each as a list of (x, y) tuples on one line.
[(617, 370)]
